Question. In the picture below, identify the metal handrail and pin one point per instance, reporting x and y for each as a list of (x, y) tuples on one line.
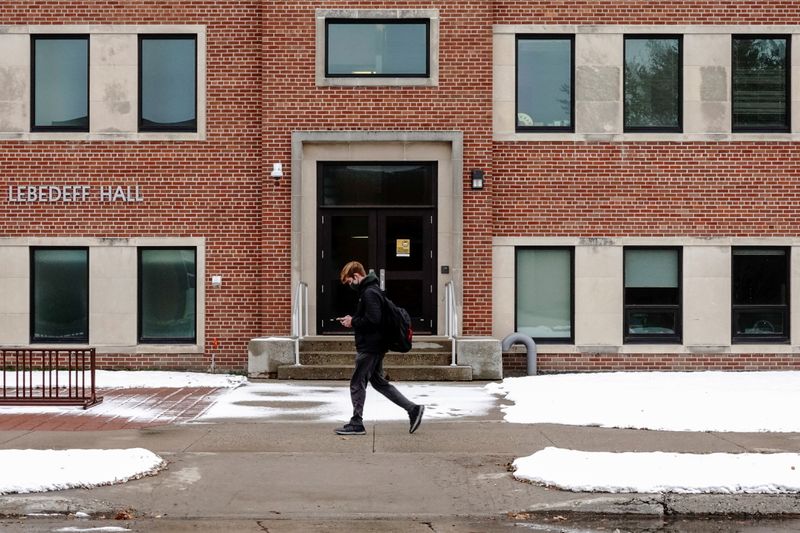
[(299, 318), (451, 318)]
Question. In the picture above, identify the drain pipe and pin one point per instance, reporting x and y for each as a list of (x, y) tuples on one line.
[(521, 338)]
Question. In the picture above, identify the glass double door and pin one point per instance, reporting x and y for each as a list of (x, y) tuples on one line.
[(397, 244)]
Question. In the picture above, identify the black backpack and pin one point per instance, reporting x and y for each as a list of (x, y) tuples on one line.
[(396, 327)]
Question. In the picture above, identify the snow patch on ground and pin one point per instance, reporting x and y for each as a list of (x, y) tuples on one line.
[(670, 401), (27, 471), (656, 472), (154, 379)]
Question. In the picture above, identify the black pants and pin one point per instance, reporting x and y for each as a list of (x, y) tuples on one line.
[(369, 369)]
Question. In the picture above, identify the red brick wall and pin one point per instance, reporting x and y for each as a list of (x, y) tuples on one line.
[(515, 364), (646, 12), (261, 88), (462, 102), (646, 189), (209, 188)]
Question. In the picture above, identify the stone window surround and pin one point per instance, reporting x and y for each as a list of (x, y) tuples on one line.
[(705, 307), (599, 54), (112, 291), (125, 73), (431, 14)]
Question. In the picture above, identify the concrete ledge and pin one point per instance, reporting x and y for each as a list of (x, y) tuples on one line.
[(483, 354), (393, 373), (266, 354)]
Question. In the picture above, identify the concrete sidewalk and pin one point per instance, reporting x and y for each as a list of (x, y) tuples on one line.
[(263, 469)]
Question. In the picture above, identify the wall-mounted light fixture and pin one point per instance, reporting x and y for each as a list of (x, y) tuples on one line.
[(277, 170), (477, 178)]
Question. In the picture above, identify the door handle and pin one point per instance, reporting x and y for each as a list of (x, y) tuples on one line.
[(383, 279)]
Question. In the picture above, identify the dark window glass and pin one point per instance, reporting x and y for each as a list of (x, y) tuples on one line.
[(60, 295), (363, 184), (544, 293), (60, 83), (167, 83), (760, 294), (653, 83), (167, 295), (761, 84), (374, 48), (652, 295), (544, 83)]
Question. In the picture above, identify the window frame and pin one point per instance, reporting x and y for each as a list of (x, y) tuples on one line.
[(139, 314), (549, 340), (786, 308), (651, 338), (34, 37), (653, 129), (545, 37), (378, 20), (788, 83), (32, 298), (165, 36)]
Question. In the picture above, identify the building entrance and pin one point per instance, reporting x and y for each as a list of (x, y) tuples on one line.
[(382, 215)]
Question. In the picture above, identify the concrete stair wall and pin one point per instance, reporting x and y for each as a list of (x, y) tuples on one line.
[(334, 359)]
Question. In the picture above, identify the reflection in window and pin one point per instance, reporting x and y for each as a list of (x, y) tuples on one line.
[(544, 293), (367, 184), (652, 83), (60, 83), (375, 48), (167, 295), (760, 84), (760, 294), (168, 83), (652, 295), (60, 295), (544, 83)]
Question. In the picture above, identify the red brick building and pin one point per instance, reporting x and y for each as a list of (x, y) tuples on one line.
[(616, 179)]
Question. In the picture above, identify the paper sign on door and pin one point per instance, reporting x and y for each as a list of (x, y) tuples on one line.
[(403, 247)]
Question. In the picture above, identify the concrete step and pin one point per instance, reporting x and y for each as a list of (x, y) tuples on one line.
[(393, 373), (341, 343), (392, 358)]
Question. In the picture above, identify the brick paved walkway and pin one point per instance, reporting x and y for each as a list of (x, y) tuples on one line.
[(120, 409)]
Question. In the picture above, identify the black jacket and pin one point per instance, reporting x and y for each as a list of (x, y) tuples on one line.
[(368, 318)]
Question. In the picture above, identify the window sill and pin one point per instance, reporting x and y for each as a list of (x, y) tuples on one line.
[(376, 82), (536, 136), (101, 137), (664, 349)]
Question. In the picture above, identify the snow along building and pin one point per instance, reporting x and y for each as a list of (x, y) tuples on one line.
[(617, 179)]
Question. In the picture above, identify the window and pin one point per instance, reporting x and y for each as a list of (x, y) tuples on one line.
[(377, 48), (760, 295), (167, 295), (544, 293), (652, 295), (761, 83), (168, 83), (59, 295), (60, 85), (545, 81), (653, 83)]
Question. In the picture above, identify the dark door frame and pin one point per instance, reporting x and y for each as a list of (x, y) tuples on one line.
[(379, 250)]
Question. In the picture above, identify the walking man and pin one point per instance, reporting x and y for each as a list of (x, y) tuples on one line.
[(371, 347)]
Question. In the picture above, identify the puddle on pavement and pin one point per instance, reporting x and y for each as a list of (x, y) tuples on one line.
[(278, 404)]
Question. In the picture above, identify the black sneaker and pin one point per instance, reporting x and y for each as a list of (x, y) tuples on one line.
[(415, 416), (351, 429)]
